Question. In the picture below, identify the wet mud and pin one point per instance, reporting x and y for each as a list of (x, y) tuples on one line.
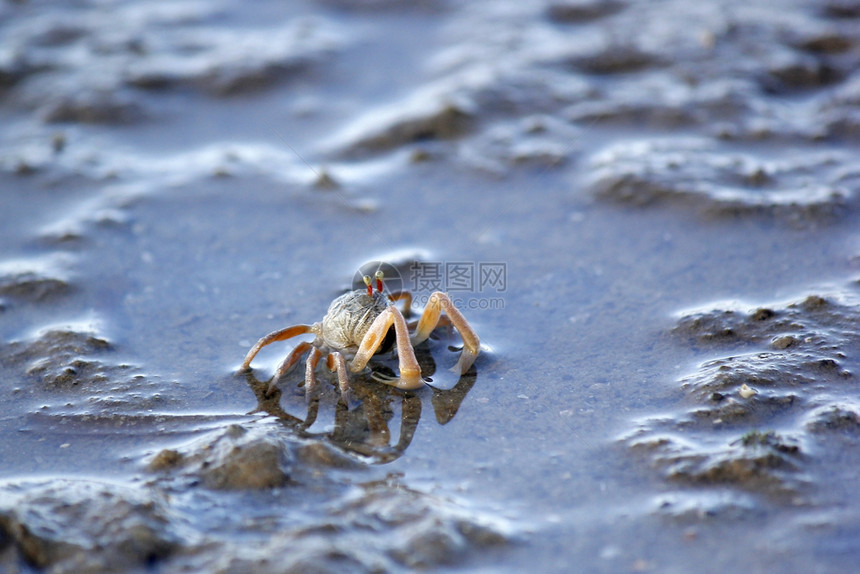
[(726, 184), (647, 211), (77, 525), (763, 414)]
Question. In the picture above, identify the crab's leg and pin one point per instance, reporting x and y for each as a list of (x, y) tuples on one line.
[(281, 335), (336, 362), (404, 296), (437, 303), (288, 363), (310, 377), (410, 372)]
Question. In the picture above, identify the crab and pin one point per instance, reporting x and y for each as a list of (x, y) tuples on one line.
[(356, 327)]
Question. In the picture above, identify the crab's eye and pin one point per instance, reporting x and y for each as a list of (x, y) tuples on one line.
[(366, 279), (379, 276)]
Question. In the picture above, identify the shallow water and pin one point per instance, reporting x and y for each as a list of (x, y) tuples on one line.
[(667, 377)]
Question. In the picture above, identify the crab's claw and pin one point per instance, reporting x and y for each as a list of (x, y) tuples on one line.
[(408, 381)]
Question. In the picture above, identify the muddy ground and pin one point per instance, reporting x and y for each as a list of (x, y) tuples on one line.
[(647, 210)]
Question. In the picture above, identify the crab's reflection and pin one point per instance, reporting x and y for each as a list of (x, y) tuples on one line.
[(365, 429)]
